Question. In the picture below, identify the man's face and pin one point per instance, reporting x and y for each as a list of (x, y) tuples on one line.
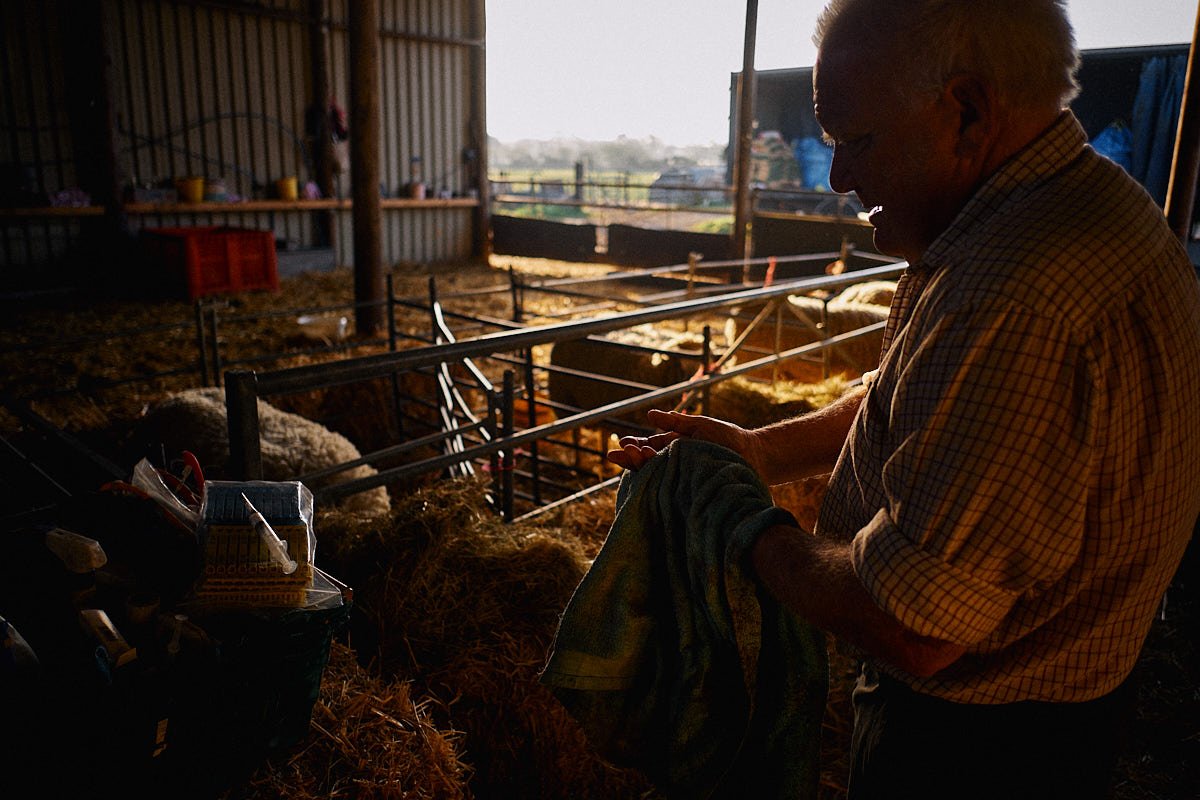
[(898, 158)]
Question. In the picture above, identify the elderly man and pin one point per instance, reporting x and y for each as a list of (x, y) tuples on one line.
[(1015, 487)]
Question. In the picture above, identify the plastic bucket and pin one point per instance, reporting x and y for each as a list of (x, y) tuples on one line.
[(191, 190), (287, 189)]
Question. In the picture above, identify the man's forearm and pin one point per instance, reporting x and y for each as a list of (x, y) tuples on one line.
[(807, 445), (815, 580)]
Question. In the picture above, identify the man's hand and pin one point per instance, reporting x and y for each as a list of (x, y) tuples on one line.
[(785, 451), (635, 451)]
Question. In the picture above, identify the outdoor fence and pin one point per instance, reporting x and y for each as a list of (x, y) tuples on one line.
[(653, 223)]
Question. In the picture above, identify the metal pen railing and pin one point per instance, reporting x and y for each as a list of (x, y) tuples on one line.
[(244, 387)]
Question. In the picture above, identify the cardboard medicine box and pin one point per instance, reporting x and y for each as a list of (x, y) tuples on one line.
[(237, 566)]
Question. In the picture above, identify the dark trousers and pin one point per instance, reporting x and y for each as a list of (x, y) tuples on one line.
[(909, 745)]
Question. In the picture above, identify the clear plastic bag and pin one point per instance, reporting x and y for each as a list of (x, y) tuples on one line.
[(146, 478)]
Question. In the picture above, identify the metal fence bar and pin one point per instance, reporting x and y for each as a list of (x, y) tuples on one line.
[(507, 459), (493, 429), (390, 300), (444, 331), (531, 402), (201, 346), (313, 375), (218, 369), (397, 394), (454, 441), (559, 285), (394, 451), (246, 387), (583, 418), (76, 341), (571, 498)]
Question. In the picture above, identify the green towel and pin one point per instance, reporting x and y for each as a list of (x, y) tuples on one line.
[(670, 655)]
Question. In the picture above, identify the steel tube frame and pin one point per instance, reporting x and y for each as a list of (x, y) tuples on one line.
[(366, 367), (241, 399), (581, 419)]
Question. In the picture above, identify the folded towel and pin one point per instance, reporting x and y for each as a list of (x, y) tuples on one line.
[(670, 655)]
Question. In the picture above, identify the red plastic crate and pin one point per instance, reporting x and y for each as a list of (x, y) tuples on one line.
[(215, 260)]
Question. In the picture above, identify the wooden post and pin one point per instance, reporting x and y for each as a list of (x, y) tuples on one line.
[(693, 264), (320, 128), (241, 417), (1185, 166), (89, 91), (363, 50), (478, 176), (745, 128)]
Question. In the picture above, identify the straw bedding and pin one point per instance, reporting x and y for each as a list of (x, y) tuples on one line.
[(369, 739), (454, 612), (462, 608)]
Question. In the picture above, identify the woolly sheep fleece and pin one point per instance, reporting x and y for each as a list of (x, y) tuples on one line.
[(292, 445)]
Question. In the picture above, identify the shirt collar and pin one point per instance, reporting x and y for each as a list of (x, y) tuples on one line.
[(1045, 156)]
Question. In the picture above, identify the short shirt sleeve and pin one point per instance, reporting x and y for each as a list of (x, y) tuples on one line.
[(984, 494)]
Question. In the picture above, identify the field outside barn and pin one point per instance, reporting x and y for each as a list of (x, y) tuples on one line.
[(621, 197)]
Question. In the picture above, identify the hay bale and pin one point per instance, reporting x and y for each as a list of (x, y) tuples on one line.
[(292, 445), (466, 608), (588, 519), (802, 498), (809, 319), (751, 403)]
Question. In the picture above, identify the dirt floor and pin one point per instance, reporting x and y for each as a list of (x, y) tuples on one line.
[(1162, 758)]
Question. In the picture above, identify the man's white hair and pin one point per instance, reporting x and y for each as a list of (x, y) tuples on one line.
[(1025, 49)]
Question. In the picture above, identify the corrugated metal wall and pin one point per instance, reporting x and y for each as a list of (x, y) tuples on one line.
[(425, 104), (35, 142), (203, 90), (224, 90)]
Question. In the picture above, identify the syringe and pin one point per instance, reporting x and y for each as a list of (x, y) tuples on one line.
[(275, 546)]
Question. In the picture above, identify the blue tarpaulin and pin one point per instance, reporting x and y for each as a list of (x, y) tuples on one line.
[(1116, 143), (1155, 122), (815, 158)]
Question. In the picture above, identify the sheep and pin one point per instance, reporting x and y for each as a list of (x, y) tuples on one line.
[(292, 445), (876, 293), (619, 356), (802, 498)]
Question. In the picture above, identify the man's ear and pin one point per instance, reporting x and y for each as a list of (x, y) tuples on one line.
[(974, 104)]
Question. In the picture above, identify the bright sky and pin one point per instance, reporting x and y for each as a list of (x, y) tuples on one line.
[(597, 70)]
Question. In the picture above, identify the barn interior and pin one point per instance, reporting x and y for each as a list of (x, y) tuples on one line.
[(254, 245)]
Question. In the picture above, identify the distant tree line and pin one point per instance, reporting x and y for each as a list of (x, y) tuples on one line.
[(622, 153)]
